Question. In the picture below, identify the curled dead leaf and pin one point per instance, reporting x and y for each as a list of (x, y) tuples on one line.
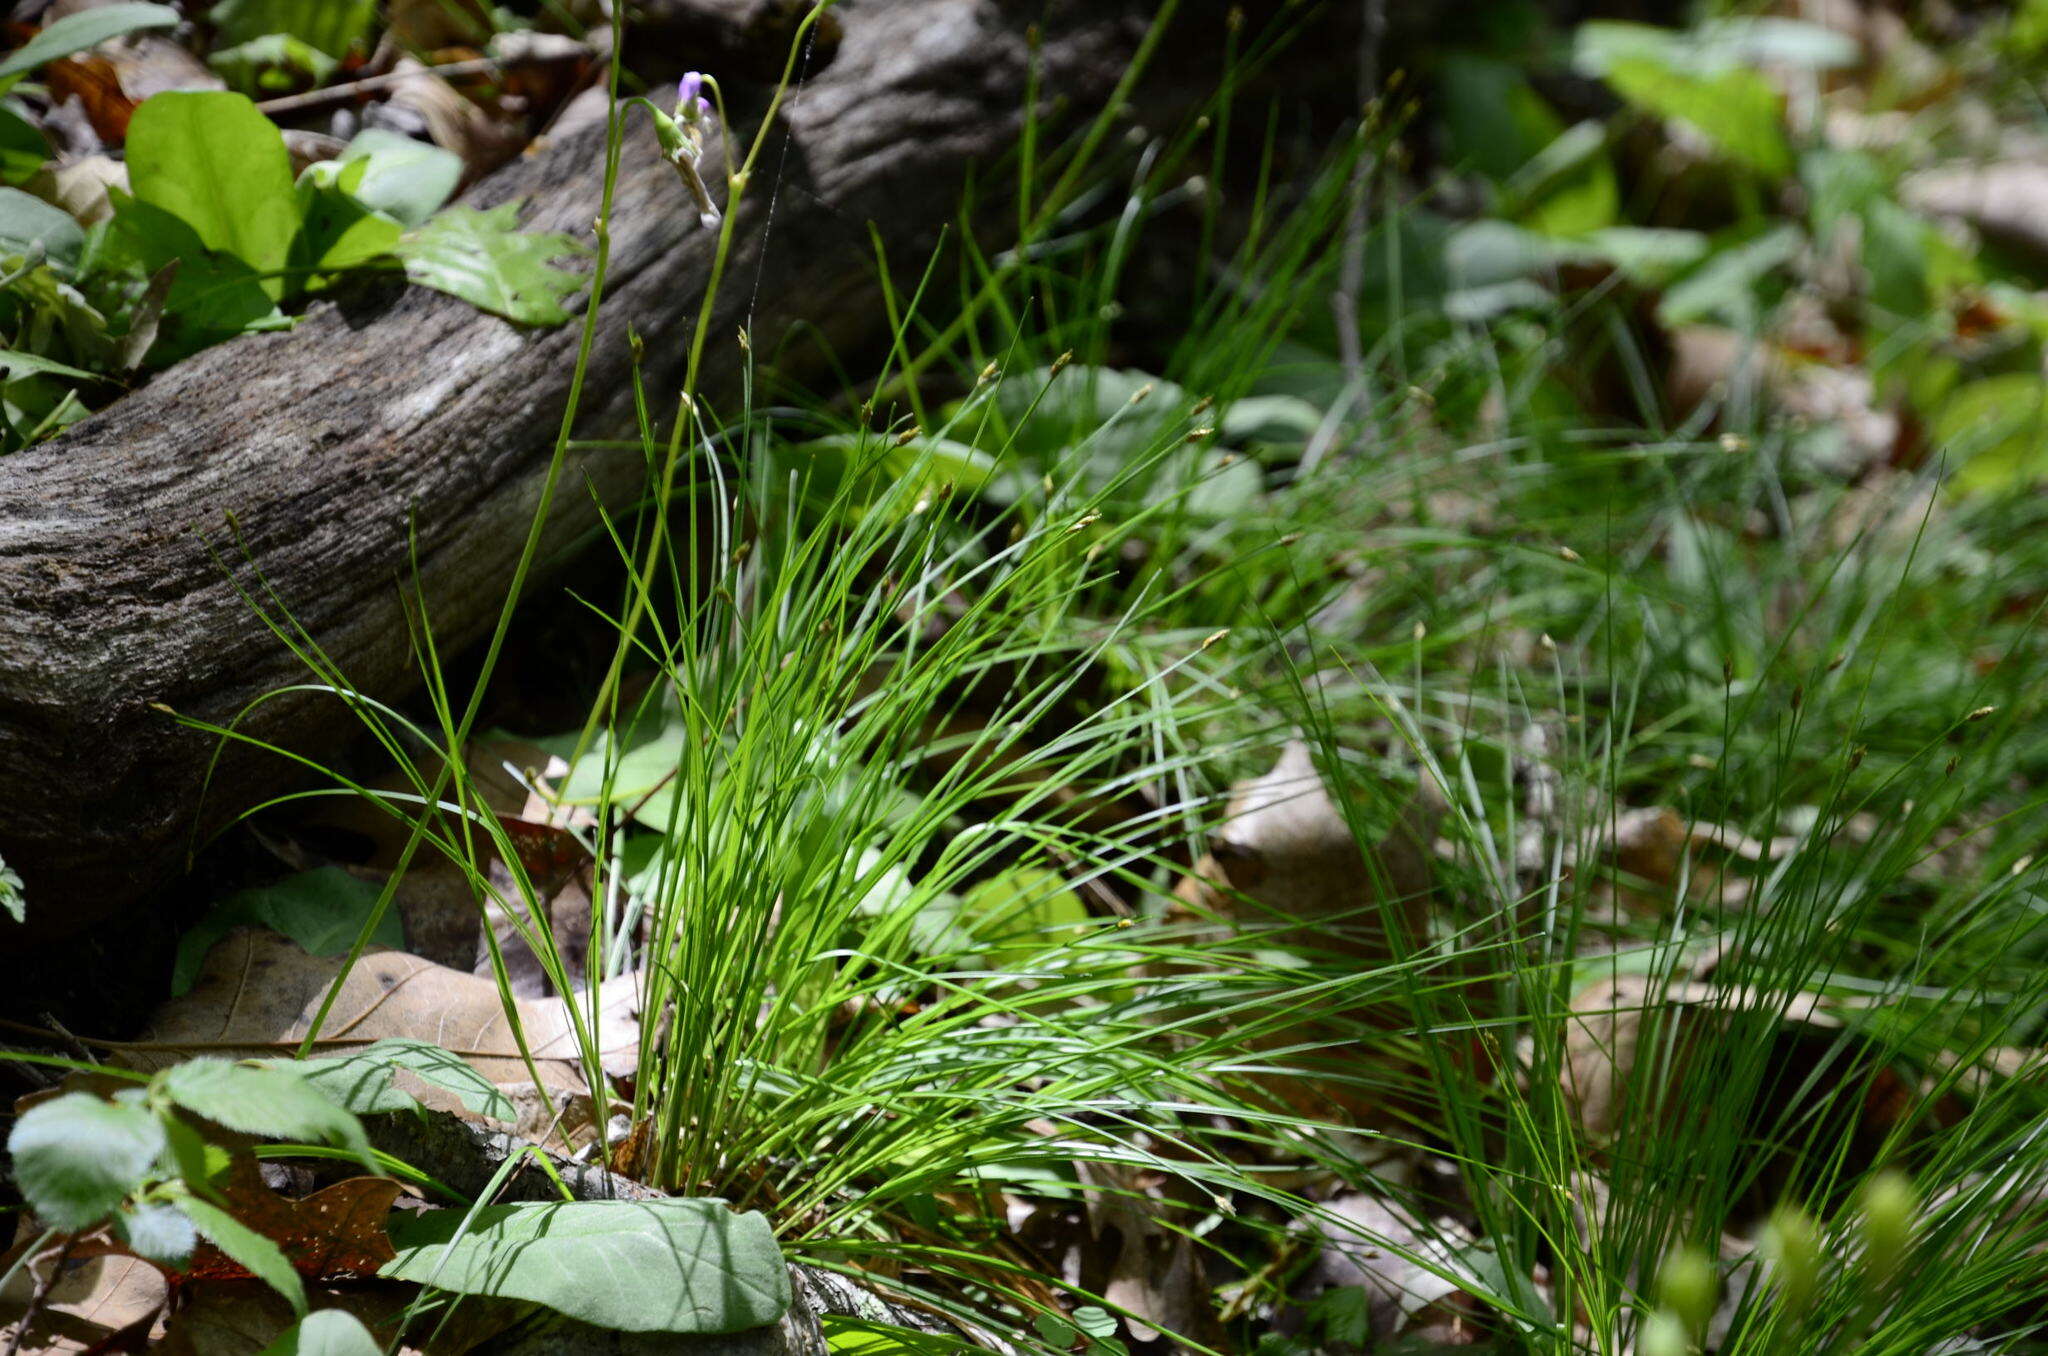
[(1285, 851), (1403, 1267), (94, 1304), (258, 992), (1153, 1267)]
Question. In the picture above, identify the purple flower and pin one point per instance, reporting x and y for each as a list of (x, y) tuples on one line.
[(691, 105)]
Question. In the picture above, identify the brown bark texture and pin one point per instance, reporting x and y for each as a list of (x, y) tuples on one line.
[(379, 446)]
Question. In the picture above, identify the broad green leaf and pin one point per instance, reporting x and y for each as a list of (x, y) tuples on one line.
[(1493, 121), (85, 28), (1569, 187), (261, 1257), (852, 471), (323, 910), (160, 1232), (16, 364), (1552, 177), (275, 63), (1727, 288), (326, 1332), (675, 1265), (211, 160), (1271, 419), (28, 222), (262, 1100), (1737, 110), (363, 1080), (76, 1157), (23, 147), (339, 232), (1646, 255), (405, 179), (1735, 43), (1021, 914), (647, 752), (1995, 431), (486, 260), (212, 296), (333, 26)]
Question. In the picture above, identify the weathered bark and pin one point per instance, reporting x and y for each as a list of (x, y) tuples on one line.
[(361, 446)]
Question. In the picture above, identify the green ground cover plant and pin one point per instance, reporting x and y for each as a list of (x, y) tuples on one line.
[(1678, 754)]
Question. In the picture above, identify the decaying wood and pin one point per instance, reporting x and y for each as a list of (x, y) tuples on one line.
[(376, 441)]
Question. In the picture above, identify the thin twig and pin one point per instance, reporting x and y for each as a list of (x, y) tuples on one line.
[(370, 84), (1351, 271), (35, 1303)]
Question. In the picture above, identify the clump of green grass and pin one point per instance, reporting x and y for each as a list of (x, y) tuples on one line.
[(911, 720)]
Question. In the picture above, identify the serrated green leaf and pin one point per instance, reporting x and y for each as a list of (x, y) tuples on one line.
[(85, 28), (261, 1257), (362, 1079), (486, 260), (675, 1265), (76, 1157), (326, 1332), (160, 1232), (213, 161), (260, 1100)]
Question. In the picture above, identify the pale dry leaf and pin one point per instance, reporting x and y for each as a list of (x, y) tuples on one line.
[(91, 1301), (1736, 374), (2005, 201), (1400, 1263), (1155, 1271), (483, 140), (81, 186), (258, 992), (1285, 851), (1612, 1017)]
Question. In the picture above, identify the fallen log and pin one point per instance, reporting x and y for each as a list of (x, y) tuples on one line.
[(371, 449)]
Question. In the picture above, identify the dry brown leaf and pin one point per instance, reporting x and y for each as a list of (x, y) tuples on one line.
[(112, 80), (1726, 370), (336, 1233), (242, 1318), (1285, 859), (91, 1301), (1285, 852), (1155, 1271), (80, 186), (258, 993), (483, 139), (1369, 1243), (1613, 1017), (2005, 201), (438, 902)]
